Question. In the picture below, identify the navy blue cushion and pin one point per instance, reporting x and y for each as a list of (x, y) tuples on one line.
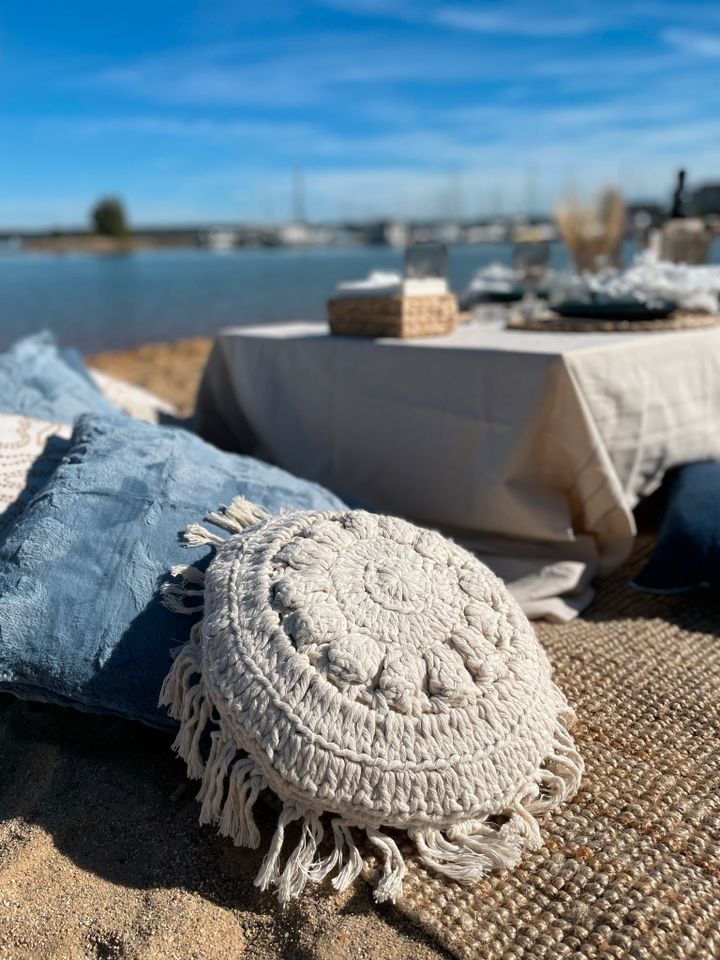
[(81, 621), (687, 553), (41, 380)]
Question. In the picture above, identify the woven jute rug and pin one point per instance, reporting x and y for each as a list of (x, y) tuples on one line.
[(631, 868), (552, 323)]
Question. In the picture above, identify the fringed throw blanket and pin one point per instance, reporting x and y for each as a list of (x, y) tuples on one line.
[(375, 677)]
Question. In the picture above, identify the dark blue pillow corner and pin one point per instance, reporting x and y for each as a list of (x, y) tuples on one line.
[(687, 553)]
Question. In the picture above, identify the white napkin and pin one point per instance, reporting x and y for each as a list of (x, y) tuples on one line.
[(382, 283)]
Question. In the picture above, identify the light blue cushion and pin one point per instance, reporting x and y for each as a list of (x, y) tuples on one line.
[(41, 380), (81, 622)]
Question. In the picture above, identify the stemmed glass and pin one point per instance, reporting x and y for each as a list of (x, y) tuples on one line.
[(531, 261)]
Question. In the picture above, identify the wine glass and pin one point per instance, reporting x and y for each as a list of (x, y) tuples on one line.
[(531, 260)]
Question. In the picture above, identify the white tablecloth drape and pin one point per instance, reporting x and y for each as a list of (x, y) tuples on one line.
[(530, 448)]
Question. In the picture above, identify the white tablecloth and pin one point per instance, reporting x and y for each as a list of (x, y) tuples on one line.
[(531, 448)]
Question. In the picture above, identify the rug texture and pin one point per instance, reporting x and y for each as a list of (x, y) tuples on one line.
[(631, 867)]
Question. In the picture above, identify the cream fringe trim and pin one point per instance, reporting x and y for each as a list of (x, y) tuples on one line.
[(231, 782)]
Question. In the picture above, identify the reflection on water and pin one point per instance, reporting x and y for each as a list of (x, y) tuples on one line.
[(96, 302)]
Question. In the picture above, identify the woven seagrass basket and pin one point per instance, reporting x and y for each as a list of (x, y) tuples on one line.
[(406, 316)]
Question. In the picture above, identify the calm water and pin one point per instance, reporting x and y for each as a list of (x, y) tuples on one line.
[(97, 302)]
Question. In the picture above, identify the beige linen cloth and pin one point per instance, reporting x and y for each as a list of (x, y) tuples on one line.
[(530, 448)]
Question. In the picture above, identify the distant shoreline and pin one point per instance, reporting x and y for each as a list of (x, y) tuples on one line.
[(140, 243), (93, 243), (298, 235)]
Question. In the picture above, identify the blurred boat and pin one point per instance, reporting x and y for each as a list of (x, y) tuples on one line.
[(219, 241)]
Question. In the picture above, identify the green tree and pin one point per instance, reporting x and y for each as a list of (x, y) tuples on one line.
[(108, 218)]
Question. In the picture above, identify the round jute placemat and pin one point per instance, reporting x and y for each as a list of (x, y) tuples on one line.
[(552, 323), (631, 868)]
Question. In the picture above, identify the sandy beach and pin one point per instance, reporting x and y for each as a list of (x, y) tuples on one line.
[(170, 370), (101, 855), (102, 858)]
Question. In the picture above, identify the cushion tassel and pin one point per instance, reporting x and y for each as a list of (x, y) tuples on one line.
[(244, 513), (321, 868), (295, 875), (177, 683), (390, 884), (172, 597), (523, 825), (197, 536), (502, 852), (188, 573), (562, 771), (240, 515), (212, 789), (466, 855), (236, 820), (344, 855), (193, 720), (269, 872), (224, 522), (354, 864)]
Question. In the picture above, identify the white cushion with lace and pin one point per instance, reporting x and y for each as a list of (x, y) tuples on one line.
[(27, 460), (133, 400)]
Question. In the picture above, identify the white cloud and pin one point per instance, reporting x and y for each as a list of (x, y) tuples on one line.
[(284, 74), (519, 19), (190, 128), (531, 22), (690, 42)]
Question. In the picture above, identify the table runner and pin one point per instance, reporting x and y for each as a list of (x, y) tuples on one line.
[(531, 448)]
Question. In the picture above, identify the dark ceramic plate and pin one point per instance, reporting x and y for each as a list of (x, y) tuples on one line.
[(475, 297), (617, 310)]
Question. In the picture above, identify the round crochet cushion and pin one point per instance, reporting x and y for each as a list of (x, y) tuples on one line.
[(376, 668), (376, 671)]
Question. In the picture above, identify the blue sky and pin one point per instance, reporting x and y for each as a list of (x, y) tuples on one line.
[(201, 111)]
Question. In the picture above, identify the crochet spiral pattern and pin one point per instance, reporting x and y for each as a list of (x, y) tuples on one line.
[(360, 667)]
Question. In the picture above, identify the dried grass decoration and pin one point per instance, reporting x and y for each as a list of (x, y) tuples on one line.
[(593, 233)]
